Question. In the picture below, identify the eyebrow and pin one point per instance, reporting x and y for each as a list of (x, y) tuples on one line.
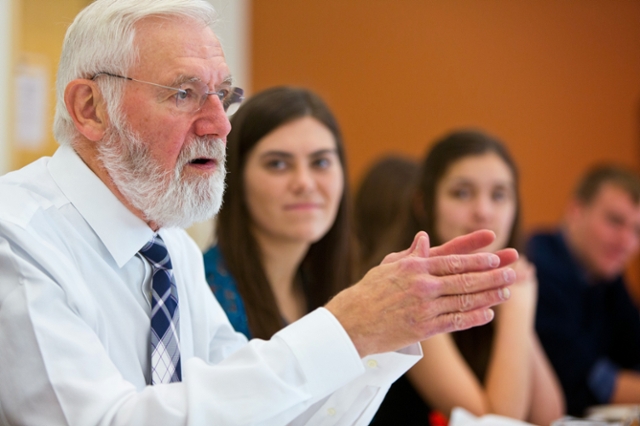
[(468, 181), (286, 154), (182, 78)]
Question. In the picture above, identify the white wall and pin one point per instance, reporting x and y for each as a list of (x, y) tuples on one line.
[(233, 30), (6, 40)]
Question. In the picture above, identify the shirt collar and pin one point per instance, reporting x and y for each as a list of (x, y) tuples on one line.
[(122, 232)]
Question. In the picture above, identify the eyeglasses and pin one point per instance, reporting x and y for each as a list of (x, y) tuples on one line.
[(191, 95)]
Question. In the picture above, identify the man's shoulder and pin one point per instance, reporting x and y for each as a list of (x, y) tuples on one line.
[(26, 191), (544, 242), (549, 253)]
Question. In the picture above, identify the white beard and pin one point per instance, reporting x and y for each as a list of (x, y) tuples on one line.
[(164, 197)]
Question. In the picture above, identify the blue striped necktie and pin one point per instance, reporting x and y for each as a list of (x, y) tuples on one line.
[(165, 321)]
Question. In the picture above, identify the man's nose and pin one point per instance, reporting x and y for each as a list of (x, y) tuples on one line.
[(212, 119)]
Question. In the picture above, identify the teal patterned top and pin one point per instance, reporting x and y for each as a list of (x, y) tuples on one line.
[(225, 289)]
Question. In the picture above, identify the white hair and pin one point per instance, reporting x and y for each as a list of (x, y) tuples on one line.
[(101, 39)]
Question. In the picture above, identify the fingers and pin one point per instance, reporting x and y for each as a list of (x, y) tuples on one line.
[(472, 302), (465, 243), (465, 311), (462, 320), (476, 281), (507, 256), (458, 264)]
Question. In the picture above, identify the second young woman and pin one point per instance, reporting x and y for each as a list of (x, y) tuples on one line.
[(468, 182)]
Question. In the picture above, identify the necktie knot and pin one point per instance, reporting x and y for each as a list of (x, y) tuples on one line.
[(165, 338), (155, 251)]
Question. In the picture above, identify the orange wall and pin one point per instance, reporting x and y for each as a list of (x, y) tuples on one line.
[(558, 81)]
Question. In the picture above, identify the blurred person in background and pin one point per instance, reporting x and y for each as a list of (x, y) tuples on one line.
[(380, 203), (468, 182), (586, 319)]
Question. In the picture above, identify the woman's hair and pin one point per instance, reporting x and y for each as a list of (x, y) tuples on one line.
[(102, 39), (382, 200), (443, 154), (326, 268)]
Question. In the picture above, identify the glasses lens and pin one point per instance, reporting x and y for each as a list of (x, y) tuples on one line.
[(191, 96), (233, 100), (194, 94)]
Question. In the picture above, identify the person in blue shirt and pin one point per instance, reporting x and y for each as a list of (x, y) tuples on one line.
[(586, 319), (283, 236)]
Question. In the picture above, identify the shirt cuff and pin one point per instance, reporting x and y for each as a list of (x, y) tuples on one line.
[(324, 350), (602, 379)]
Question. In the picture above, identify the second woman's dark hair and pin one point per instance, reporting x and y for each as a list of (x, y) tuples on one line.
[(326, 269), (446, 151)]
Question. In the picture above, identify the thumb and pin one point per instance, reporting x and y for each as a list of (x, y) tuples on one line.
[(421, 245)]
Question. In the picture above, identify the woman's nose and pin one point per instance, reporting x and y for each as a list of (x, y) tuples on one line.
[(303, 179), (483, 208)]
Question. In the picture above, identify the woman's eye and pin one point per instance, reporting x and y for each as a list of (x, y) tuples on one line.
[(461, 194), (276, 165), (321, 163), (501, 195)]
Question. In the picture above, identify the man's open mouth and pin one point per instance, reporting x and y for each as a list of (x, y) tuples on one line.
[(204, 161)]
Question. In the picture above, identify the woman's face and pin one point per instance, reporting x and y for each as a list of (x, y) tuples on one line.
[(293, 182), (476, 192)]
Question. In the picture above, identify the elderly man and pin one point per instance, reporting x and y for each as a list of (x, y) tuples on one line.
[(105, 315), (586, 320)]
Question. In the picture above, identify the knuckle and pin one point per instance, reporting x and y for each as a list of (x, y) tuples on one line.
[(454, 264), (465, 302), (466, 282), (457, 321)]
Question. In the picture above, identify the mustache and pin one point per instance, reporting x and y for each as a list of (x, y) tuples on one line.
[(202, 147)]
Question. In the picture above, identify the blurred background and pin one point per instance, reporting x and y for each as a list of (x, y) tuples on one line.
[(558, 82)]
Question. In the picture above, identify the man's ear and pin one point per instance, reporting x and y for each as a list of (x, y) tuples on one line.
[(86, 107), (574, 209)]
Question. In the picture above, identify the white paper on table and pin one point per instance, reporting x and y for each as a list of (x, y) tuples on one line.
[(461, 417)]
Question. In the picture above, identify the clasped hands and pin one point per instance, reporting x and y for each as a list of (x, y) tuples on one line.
[(423, 291)]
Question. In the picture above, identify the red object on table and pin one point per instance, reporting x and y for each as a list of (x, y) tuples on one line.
[(436, 418)]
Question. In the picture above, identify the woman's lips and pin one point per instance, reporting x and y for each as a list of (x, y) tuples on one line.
[(302, 206)]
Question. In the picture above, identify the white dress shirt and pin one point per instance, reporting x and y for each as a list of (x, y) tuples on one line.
[(74, 325)]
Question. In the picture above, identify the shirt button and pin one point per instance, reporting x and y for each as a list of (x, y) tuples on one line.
[(372, 363), (331, 411)]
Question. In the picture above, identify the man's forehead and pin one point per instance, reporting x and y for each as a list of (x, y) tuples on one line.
[(613, 197), (166, 38)]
